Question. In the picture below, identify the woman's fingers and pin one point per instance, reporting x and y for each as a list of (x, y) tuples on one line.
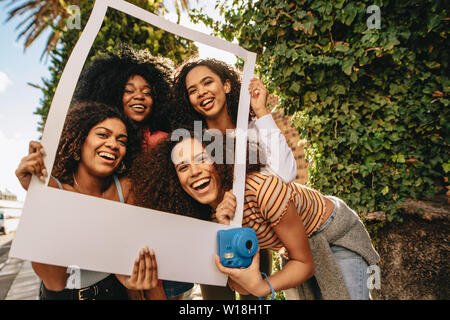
[(225, 270), (226, 209), (154, 268), (134, 272), (34, 146), (256, 86), (35, 158), (145, 274), (29, 165), (141, 274), (151, 273)]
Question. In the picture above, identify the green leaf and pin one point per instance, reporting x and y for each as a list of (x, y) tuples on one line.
[(433, 22), (347, 66), (295, 87), (342, 47), (446, 167)]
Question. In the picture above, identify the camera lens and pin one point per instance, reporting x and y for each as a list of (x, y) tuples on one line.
[(248, 244)]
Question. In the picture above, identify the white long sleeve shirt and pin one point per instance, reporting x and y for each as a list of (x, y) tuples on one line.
[(273, 146)]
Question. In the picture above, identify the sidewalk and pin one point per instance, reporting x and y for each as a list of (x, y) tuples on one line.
[(26, 284)]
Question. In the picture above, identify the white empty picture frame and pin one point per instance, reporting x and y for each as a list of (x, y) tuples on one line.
[(70, 229)]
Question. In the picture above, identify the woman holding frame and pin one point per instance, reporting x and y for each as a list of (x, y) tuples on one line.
[(299, 222), (208, 90), (138, 84), (97, 146)]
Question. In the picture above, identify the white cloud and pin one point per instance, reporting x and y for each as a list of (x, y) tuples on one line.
[(4, 81)]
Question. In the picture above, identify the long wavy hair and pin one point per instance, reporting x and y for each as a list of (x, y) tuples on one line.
[(81, 118), (155, 182), (184, 114), (104, 79)]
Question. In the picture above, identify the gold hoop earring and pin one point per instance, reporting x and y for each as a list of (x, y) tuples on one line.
[(122, 168)]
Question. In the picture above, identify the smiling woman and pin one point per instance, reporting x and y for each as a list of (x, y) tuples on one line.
[(137, 98), (298, 222), (96, 148), (137, 84)]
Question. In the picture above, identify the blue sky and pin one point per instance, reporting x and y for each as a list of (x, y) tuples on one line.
[(18, 100)]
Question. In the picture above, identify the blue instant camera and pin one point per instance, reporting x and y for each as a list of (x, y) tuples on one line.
[(236, 247)]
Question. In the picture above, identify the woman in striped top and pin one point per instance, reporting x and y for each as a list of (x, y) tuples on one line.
[(284, 216)]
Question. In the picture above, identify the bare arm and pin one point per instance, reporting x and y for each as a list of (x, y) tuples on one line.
[(54, 277), (291, 232)]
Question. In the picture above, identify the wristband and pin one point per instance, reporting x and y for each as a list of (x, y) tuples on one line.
[(270, 285)]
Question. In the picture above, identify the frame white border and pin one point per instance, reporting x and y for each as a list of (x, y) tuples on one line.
[(66, 228)]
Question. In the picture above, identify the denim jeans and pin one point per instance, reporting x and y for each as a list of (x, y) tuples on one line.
[(175, 288), (354, 269)]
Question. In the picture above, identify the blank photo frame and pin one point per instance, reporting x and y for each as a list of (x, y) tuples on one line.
[(71, 229)]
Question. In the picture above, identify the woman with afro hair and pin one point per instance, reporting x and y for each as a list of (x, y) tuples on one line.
[(139, 85), (96, 149), (208, 90), (136, 83)]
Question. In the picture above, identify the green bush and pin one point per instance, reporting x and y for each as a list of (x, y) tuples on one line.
[(372, 103)]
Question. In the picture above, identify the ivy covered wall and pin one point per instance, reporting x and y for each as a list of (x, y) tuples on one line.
[(372, 103)]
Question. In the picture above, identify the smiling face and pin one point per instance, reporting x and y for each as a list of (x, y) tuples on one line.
[(196, 172), (207, 92), (137, 100), (104, 148)]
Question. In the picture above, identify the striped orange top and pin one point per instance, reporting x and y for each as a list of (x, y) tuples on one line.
[(266, 200)]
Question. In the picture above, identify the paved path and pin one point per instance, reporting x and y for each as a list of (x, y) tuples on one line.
[(25, 283)]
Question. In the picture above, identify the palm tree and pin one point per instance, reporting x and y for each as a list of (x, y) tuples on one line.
[(51, 13), (41, 16)]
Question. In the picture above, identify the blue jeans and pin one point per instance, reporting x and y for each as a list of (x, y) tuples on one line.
[(175, 288), (354, 269)]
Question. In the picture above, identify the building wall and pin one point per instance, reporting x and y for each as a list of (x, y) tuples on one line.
[(7, 196)]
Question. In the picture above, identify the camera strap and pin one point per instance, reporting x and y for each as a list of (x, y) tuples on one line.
[(270, 285)]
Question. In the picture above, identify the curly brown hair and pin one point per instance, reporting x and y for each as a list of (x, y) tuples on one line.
[(155, 183), (103, 80), (183, 113), (81, 118)]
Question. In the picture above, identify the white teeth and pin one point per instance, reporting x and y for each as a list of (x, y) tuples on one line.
[(138, 106), (200, 182), (107, 155), (204, 103)]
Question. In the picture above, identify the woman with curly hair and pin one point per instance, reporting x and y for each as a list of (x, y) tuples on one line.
[(139, 85), (208, 90), (319, 235), (97, 147), (136, 83)]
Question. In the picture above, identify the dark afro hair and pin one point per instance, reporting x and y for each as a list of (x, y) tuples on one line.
[(81, 118), (183, 113), (104, 79)]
